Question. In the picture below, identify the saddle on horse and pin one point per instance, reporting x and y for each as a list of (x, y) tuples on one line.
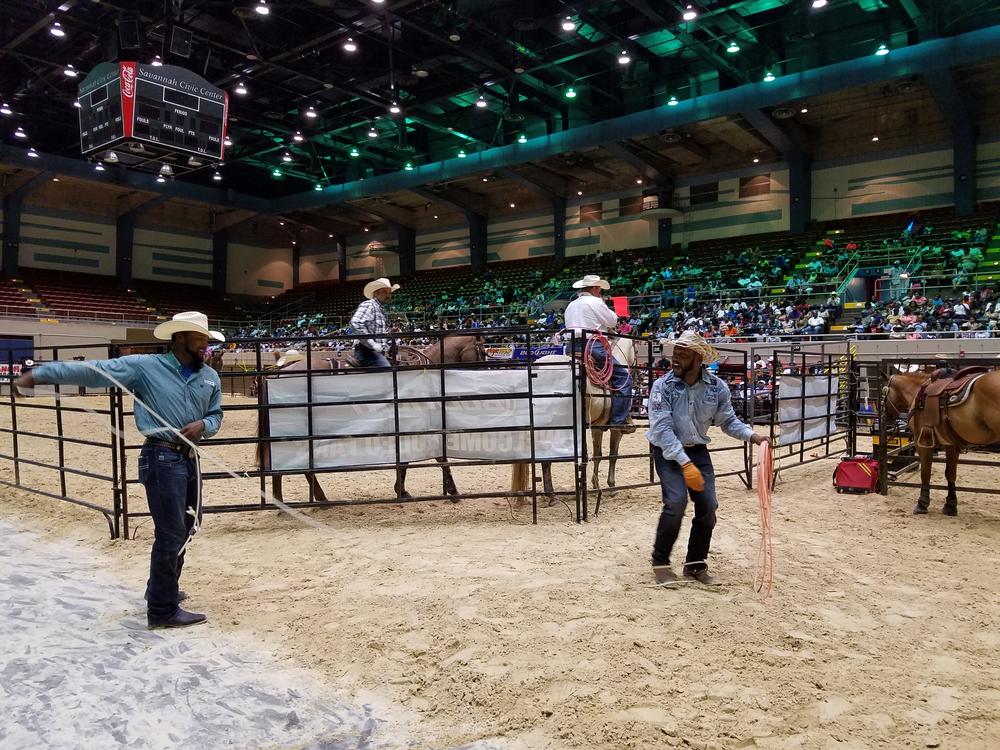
[(945, 390)]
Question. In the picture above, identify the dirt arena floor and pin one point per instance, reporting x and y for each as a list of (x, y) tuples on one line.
[(883, 629)]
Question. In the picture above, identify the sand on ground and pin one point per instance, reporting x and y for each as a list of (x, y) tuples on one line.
[(883, 629)]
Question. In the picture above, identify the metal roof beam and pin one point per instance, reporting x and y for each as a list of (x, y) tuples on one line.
[(935, 54), (645, 164)]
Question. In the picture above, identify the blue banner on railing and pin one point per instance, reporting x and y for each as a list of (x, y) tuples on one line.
[(517, 351)]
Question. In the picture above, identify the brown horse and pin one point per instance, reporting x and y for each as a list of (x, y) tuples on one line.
[(974, 422), (456, 349)]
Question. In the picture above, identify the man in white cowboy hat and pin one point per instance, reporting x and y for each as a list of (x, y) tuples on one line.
[(682, 406), (186, 394), (588, 312), (370, 320), (289, 356)]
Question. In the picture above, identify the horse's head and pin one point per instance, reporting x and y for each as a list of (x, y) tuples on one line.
[(900, 393)]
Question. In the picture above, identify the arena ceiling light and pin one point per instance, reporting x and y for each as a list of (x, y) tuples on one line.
[(804, 110), (240, 89), (286, 157), (76, 103), (408, 166), (522, 138), (349, 45), (882, 51), (420, 71), (298, 137), (157, 61), (394, 108), (276, 172), (454, 35), (672, 101), (217, 177), (570, 93), (568, 24), (756, 160), (689, 13), (167, 171), (311, 112), (579, 192), (354, 153), (768, 76), (874, 139), (817, 4), (70, 72), (262, 9), (111, 157), (461, 153), (317, 187), (5, 109), (372, 131), (624, 58), (57, 30), (513, 205), (32, 153), (227, 141), (100, 168), (638, 180), (481, 102), (733, 48), (19, 132), (160, 179)]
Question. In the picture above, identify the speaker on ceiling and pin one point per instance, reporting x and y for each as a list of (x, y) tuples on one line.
[(128, 33), (180, 41)]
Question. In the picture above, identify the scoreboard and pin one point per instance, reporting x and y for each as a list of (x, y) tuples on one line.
[(163, 105)]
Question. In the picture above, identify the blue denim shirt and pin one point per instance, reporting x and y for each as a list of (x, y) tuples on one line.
[(157, 380), (680, 414)]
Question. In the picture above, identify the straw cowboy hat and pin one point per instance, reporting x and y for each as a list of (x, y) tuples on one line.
[(373, 286), (292, 355), (194, 322), (591, 280), (694, 342)]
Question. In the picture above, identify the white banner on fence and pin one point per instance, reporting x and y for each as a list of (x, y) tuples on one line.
[(812, 415), (337, 413)]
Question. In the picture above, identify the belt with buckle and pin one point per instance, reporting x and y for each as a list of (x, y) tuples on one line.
[(157, 443)]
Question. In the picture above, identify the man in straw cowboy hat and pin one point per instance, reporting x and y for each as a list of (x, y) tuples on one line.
[(370, 320), (588, 312), (682, 406), (186, 394)]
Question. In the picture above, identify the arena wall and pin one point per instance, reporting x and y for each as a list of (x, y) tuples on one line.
[(62, 241), (173, 256), (318, 263), (258, 270), (364, 258)]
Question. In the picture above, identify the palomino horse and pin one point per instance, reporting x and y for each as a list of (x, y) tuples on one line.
[(597, 412), (456, 349), (976, 421)]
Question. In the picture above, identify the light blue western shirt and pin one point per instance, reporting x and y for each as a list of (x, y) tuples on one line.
[(680, 414), (157, 380)]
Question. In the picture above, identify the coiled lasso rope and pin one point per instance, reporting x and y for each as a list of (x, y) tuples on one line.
[(763, 575), (599, 374)]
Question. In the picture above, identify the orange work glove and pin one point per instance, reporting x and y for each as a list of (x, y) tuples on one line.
[(693, 477)]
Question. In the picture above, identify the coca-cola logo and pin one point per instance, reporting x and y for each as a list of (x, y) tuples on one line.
[(128, 80)]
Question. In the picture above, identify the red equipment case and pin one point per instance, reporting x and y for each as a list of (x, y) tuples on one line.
[(858, 475)]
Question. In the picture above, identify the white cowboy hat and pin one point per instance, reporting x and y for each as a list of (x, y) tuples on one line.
[(292, 355), (693, 341), (591, 280), (373, 286), (195, 322)]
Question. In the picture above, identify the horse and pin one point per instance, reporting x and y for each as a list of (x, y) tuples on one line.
[(455, 349), (975, 421), (598, 413)]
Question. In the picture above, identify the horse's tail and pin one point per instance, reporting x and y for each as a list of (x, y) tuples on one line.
[(519, 477)]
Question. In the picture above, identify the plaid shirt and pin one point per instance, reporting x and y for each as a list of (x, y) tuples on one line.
[(370, 319)]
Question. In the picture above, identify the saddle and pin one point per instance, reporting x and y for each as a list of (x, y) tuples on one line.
[(945, 390)]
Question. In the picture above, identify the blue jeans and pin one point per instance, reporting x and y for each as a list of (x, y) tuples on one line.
[(621, 382), (171, 488), (370, 358), (675, 498)]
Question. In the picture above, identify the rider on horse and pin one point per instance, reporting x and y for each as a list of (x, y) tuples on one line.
[(588, 312), (370, 319)]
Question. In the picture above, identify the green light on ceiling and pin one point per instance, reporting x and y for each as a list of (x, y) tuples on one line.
[(408, 166), (882, 50), (354, 152), (672, 101), (276, 172), (461, 153), (733, 48), (317, 187), (570, 93), (522, 138), (768, 76)]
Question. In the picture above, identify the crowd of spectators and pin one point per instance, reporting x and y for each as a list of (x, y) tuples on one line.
[(969, 315)]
